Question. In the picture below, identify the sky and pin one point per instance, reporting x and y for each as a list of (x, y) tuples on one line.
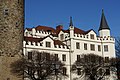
[(86, 14)]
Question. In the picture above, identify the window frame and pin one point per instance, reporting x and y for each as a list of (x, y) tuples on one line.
[(77, 45), (48, 44), (92, 47), (85, 46), (63, 57), (105, 48)]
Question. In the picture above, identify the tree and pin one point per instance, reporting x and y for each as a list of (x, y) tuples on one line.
[(93, 67), (39, 66)]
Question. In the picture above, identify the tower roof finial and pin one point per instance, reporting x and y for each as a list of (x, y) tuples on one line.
[(71, 23), (103, 23)]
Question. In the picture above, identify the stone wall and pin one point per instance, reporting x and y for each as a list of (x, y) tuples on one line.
[(11, 35)]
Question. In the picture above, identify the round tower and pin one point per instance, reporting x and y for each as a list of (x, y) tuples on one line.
[(11, 35), (104, 30)]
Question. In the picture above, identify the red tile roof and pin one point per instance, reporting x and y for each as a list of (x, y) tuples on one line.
[(58, 29), (32, 39), (29, 29), (45, 28), (57, 42), (78, 31)]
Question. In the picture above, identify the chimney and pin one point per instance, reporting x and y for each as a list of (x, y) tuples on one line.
[(59, 27)]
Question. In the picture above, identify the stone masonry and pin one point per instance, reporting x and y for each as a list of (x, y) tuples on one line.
[(11, 35)]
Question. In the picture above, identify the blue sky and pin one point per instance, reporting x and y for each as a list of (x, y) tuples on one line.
[(86, 14)]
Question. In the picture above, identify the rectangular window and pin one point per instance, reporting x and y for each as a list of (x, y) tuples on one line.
[(56, 57), (29, 70), (107, 71), (85, 46), (99, 48), (48, 44), (47, 56), (63, 57), (106, 59), (78, 57), (106, 48), (39, 56), (61, 36), (64, 71), (91, 36), (79, 71), (6, 12), (92, 47), (30, 55), (77, 45)]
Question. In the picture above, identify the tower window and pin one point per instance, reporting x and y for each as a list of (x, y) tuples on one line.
[(106, 48), (6, 12), (106, 59), (99, 48)]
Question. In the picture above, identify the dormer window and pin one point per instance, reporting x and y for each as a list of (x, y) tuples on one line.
[(91, 36), (61, 36), (48, 44)]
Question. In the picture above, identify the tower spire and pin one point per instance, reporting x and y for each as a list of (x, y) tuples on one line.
[(71, 23), (103, 23)]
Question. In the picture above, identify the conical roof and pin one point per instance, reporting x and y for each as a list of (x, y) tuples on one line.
[(71, 23), (103, 23)]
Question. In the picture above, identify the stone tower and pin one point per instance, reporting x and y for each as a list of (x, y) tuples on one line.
[(11, 35)]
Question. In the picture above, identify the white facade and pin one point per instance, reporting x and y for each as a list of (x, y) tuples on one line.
[(71, 42), (67, 43)]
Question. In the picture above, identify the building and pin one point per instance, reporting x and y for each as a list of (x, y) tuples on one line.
[(11, 36), (71, 43)]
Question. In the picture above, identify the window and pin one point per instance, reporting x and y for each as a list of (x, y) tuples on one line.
[(99, 48), (47, 56), (91, 36), (61, 36), (77, 45), (64, 57), (36, 43), (78, 57), (106, 48), (6, 12), (107, 71), (48, 44), (85, 46), (39, 56), (17, 24), (29, 70), (106, 59), (79, 71), (56, 57), (64, 71), (30, 55), (92, 46)]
